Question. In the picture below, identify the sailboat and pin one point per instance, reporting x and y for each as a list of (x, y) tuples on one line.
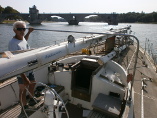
[(78, 78)]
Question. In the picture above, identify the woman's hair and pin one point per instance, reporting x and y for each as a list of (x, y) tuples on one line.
[(18, 23)]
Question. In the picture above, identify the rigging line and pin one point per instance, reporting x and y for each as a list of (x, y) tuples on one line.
[(131, 60), (68, 31), (144, 74), (108, 33), (146, 96), (139, 55), (13, 91)]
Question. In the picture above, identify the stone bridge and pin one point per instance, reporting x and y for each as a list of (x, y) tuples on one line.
[(34, 17), (75, 18)]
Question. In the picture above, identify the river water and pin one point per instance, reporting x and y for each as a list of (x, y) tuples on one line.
[(43, 38)]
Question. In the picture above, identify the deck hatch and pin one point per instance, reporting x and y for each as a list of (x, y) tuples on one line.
[(82, 73)]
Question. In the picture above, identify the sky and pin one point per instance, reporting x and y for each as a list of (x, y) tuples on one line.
[(83, 6)]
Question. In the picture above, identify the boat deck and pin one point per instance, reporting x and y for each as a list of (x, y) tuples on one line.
[(12, 112), (144, 70)]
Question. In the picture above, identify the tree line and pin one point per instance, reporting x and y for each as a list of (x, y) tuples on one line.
[(133, 17), (8, 10), (130, 17)]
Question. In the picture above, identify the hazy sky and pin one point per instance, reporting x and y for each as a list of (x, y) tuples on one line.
[(83, 6)]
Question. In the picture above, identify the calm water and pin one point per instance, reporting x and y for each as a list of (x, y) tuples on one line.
[(44, 38)]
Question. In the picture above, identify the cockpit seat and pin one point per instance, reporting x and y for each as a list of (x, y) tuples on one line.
[(108, 105)]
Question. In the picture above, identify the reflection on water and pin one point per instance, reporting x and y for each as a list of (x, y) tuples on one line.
[(43, 38)]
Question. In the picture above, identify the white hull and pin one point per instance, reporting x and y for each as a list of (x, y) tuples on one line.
[(101, 78)]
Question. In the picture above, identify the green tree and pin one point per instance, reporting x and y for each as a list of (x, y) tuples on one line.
[(9, 9), (154, 14), (1, 9), (132, 17)]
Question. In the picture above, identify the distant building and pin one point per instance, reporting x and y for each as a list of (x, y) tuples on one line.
[(34, 12)]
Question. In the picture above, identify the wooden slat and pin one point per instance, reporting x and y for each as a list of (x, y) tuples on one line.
[(13, 112), (8, 82), (97, 114)]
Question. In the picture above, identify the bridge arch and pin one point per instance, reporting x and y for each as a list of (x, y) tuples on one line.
[(55, 18)]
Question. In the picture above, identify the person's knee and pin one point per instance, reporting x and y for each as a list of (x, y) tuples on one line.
[(23, 87)]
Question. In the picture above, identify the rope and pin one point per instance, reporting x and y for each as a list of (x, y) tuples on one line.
[(113, 31), (72, 31)]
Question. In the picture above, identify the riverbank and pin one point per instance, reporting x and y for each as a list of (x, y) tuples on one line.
[(12, 21), (8, 21)]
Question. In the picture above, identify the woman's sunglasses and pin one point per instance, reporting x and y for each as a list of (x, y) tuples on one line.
[(21, 29)]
